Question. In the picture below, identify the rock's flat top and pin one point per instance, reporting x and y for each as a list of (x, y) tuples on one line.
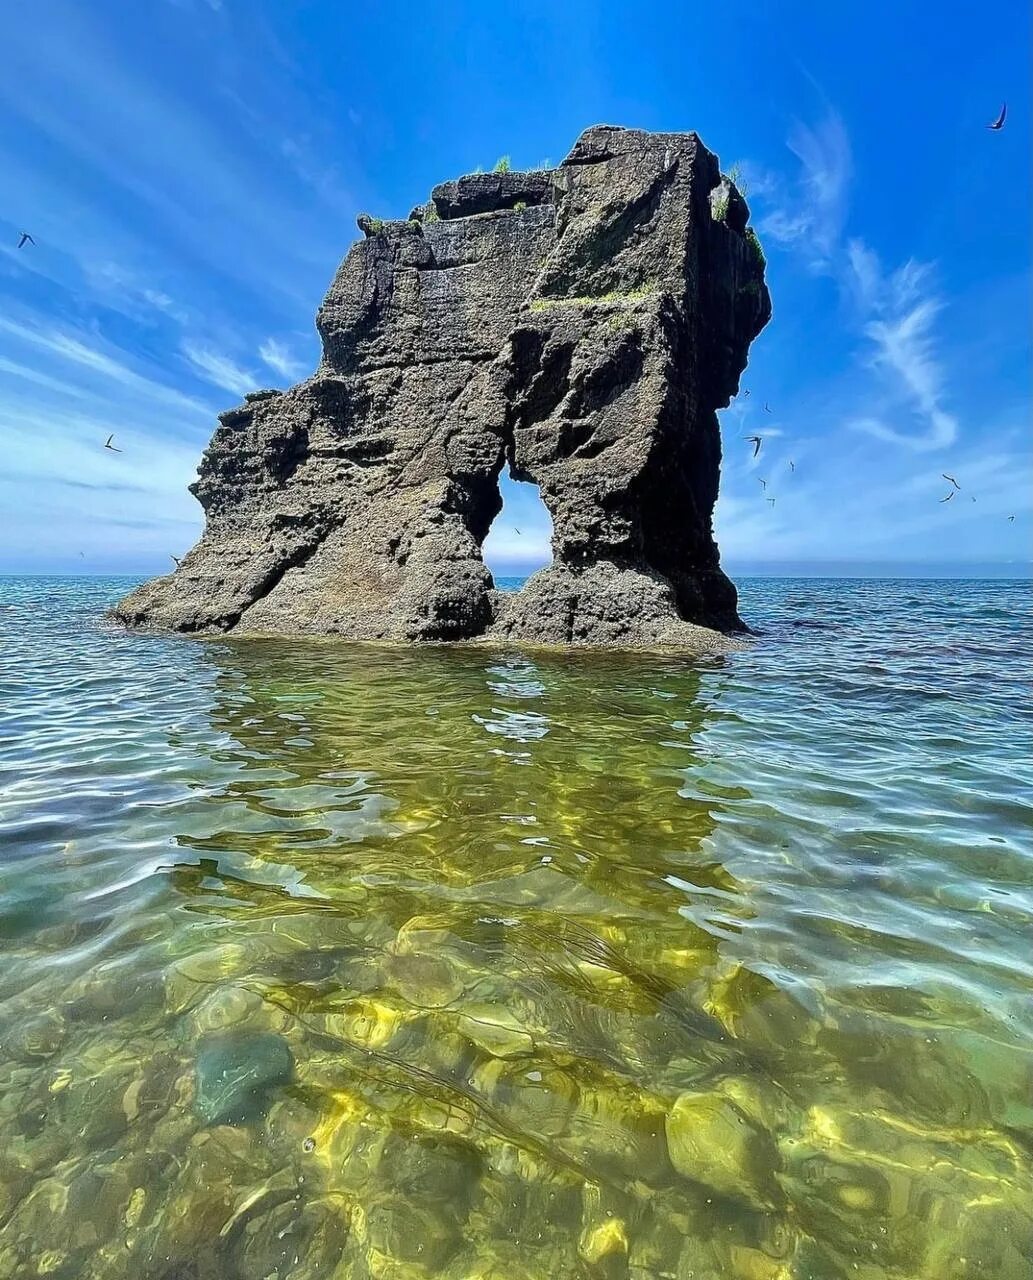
[(582, 324)]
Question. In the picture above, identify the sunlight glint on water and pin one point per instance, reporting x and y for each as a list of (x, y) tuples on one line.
[(342, 961)]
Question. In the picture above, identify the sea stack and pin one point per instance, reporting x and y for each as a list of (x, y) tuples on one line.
[(582, 324)]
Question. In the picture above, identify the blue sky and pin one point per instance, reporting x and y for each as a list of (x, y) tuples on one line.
[(191, 171)]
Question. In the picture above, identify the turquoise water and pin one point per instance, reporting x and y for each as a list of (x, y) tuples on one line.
[(343, 961)]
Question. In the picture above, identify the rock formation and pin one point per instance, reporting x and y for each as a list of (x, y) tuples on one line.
[(582, 324)]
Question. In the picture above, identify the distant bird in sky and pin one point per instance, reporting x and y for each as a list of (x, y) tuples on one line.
[(999, 122), (26, 239), (1010, 519), (792, 465), (772, 501), (176, 559), (951, 479), (82, 554), (746, 392), (763, 481), (948, 497), (767, 408), (109, 445), (756, 441), (517, 530)]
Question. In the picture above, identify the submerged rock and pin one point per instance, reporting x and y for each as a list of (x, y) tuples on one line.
[(236, 1072), (580, 324), (712, 1141)]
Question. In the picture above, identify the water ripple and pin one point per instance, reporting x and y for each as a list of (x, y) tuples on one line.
[(300, 976)]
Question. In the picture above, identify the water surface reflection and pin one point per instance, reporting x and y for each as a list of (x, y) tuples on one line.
[(339, 961)]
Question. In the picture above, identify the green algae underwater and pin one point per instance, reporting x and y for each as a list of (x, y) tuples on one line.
[(324, 961)]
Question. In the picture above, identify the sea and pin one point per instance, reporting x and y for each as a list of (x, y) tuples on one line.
[(325, 961)]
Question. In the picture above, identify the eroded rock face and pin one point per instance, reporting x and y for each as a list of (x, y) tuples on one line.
[(582, 323)]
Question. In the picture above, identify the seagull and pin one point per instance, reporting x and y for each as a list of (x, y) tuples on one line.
[(517, 530), (756, 442), (1010, 519), (772, 501), (767, 408), (948, 497), (998, 124), (951, 479), (763, 482), (746, 392), (792, 465), (26, 239), (176, 559), (109, 445)]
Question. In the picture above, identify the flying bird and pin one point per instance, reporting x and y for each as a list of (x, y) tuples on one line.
[(948, 497), (177, 560), (26, 239), (517, 530), (756, 441), (767, 408), (763, 481), (999, 122), (1010, 519), (792, 465), (772, 501), (951, 479), (746, 392), (109, 445)]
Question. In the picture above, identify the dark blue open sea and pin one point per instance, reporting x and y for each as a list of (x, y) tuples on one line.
[(343, 962)]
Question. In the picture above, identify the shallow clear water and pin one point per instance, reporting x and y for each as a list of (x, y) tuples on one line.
[(342, 961)]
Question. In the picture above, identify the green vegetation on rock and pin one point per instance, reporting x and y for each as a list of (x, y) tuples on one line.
[(615, 298)]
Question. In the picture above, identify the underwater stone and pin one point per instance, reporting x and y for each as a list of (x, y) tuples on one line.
[(226, 1008), (618, 1132), (39, 1037), (401, 1232), (428, 982), (235, 1073), (712, 1141), (312, 1236), (496, 1031), (920, 1188), (586, 340)]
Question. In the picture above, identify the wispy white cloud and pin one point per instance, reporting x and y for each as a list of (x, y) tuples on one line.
[(895, 310), (313, 170), (76, 350), (904, 310), (853, 516), (218, 369), (278, 357), (810, 217), (38, 378), (111, 279)]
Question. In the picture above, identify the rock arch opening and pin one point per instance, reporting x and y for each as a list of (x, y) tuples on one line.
[(520, 538)]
